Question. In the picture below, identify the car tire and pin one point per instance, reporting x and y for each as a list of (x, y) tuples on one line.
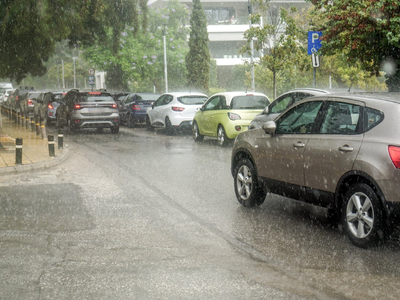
[(169, 129), (247, 189), (362, 216), (221, 136), (130, 122), (148, 124), (196, 133), (115, 129)]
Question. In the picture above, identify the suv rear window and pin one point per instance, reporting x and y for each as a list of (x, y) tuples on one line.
[(249, 102), (95, 97), (192, 100)]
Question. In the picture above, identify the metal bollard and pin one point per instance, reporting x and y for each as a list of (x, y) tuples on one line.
[(18, 118), (60, 138), (27, 121), (18, 151), (50, 140)]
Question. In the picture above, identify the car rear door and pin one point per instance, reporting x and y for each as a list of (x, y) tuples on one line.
[(332, 152)]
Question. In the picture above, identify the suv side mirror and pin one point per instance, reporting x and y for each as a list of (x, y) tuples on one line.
[(269, 127)]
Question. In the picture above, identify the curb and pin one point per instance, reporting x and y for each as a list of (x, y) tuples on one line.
[(39, 165)]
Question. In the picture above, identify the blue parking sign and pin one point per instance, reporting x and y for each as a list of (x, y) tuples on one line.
[(314, 41)]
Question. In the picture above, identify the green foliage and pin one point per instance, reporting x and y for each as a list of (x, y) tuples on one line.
[(367, 32), (140, 54), (30, 29), (198, 58)]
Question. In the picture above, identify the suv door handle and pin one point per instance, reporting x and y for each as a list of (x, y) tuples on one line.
[(346, 148), (299, 145)]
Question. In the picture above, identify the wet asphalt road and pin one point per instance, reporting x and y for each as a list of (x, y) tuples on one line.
[(142, 215)]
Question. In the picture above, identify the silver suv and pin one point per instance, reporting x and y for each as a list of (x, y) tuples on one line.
[(88, 109), (341, 152)]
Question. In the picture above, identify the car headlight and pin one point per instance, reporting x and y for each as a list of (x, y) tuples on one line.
[(233, 116)]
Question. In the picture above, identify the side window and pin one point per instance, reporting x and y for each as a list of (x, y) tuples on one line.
[(212, 103), (372, 118), (159, 101), (280, 104), (167, 99), (300, 96), (300, 119), (341, 118), (127, 99)]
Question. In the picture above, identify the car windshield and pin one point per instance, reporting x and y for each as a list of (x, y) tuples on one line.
[(148, 97), (192, 100), (58, 97), (33, 95), (249, 102), (94, 98)]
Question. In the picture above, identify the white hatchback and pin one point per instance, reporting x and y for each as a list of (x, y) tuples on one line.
[(173, 111)]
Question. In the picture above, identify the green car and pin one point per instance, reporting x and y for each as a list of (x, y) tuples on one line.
[(225, 115)]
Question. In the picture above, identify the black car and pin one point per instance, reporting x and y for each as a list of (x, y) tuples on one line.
[(46, 106), (27, 102), (18, 94), (134, 107)]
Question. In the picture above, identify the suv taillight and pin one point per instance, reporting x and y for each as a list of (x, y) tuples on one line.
[(135, 107), (50, 105), (29, 101), (114, 105), (394, 153), (77, 106)]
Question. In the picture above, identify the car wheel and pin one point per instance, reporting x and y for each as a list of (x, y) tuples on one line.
[(247, 189), (196, 133), (168, 127), (148, 124), (130, 122), (221, 136), (362, 216), (115, 129)]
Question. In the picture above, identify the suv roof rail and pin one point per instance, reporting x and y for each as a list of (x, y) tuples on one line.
[(25, 87)]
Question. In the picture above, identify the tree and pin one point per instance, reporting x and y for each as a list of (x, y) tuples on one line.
[(281, 41), (141, 55), (198, 58), (365, 31), (30, 29)]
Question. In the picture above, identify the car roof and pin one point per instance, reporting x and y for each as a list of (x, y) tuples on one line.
[(181, 94), (230, 95), (370, 96), (312, 91)]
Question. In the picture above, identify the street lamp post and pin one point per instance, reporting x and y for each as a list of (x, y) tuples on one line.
[(73, 58), (165, 62), (253, 88)]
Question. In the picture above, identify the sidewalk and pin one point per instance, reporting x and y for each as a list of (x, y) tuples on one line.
[(35, 149)]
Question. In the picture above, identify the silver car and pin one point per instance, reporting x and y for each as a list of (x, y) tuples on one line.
[(283, 102), (341, 152), (88, 109)]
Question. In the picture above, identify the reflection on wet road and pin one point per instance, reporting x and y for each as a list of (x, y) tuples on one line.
[(142, 215)]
